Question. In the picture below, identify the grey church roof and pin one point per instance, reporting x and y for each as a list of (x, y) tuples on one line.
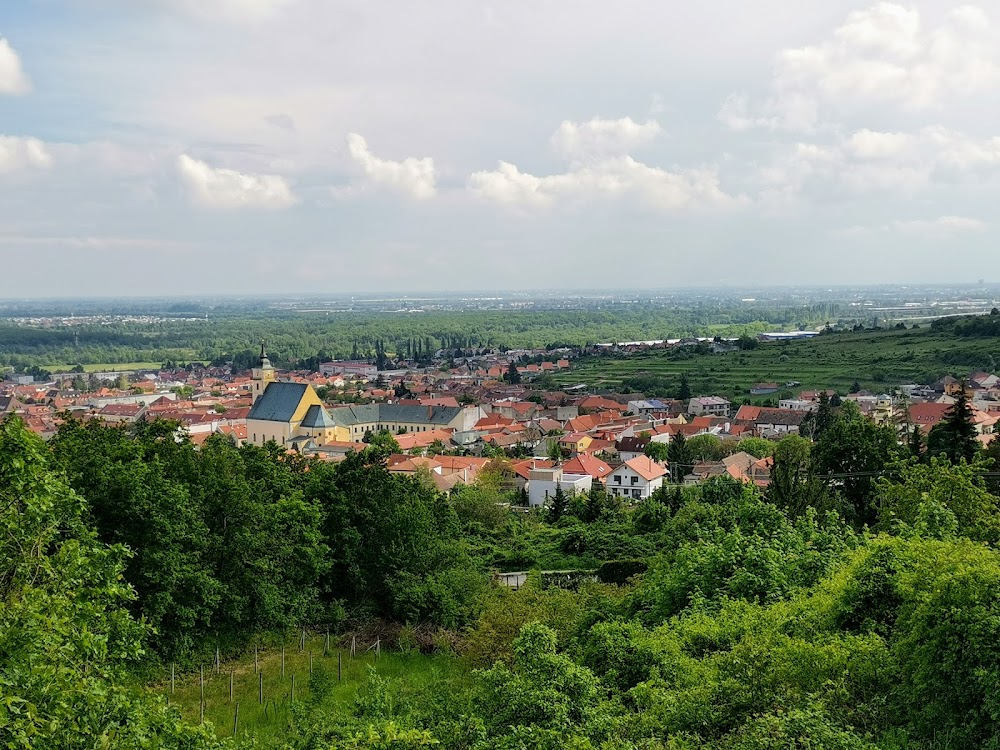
[(347, 416), (278, 402), (318, 417)]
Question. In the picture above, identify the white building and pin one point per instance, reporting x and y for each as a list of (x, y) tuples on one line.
[(542, 484), (643, 408), (355, 369), (796, 404), (714, 406), (637, 479)]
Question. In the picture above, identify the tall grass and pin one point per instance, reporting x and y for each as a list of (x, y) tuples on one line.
[(270, 718)]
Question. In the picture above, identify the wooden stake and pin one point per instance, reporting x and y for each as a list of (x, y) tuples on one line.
[(293, 689), (282, 662), (310, 661), (354, 645), (236, 720), (378, 648), (232, 672), (201, 674), (217, 661), (302, 641), (340, 666), (326, 643), (256, 661), (171, 678), (260, 688)]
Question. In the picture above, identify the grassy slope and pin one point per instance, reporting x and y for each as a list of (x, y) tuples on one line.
[(878, 360), (409, 672)]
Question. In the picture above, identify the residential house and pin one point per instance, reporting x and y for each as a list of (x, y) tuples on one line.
[(771, 422), (763, 389), (740, 466), (575, 442), (543, 483), (632, 447), (637, 479), (713, 405), (646, 407), (593, 467), (798, 404)]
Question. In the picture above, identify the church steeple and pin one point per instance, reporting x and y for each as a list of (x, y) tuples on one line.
[(263, 374), (264, 361)]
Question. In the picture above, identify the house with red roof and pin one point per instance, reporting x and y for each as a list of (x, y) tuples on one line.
[(587, 465), (637, 479)]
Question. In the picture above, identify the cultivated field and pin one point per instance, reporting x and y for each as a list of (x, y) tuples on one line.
[(877, 360)]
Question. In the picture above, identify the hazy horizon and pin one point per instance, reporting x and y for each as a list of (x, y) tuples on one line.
[(245, 147)]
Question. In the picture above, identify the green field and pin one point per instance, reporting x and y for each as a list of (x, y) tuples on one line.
[(336, 690), (877, 360)]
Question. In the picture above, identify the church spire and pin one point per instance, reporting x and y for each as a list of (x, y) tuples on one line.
[(264, 361), (263, 374)]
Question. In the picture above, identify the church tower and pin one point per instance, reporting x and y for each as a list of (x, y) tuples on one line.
[(263, 374)]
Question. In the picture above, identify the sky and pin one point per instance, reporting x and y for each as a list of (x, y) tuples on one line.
[(179, 147)]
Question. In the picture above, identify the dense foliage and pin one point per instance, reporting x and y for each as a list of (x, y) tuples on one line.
[(823, 613), (229, 335)]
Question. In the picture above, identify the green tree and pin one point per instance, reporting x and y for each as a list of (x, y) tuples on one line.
[(955, 436), (383, 444), (756, 447), (824, 416), (67, 641), (555, 452), (850, 455), (680, 458), (705, 448), (543, 689), (513, 376), (915, 442), (558, 505), (793, 486), (657, 451), (913, 489), (684, 392), (396, 544)]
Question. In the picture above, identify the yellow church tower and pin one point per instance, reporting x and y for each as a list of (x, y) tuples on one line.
[(263, 374)]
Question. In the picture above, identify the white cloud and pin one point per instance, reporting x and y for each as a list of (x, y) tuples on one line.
[(869, 161), (12, 77), (411, 176), (618, 177), (942, 226), (877, 56), (599, 138), (23, 153), (226, 188)]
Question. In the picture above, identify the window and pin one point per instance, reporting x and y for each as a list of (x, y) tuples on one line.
[(635, 480), (635, 494), (618, 479)]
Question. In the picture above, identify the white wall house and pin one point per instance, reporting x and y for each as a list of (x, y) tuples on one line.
[(542, 484), (714, 406), (636, 479), (796, 404)]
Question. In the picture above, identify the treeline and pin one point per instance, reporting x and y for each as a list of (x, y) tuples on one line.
[(970, 326), (231, 543), (295, 337)]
